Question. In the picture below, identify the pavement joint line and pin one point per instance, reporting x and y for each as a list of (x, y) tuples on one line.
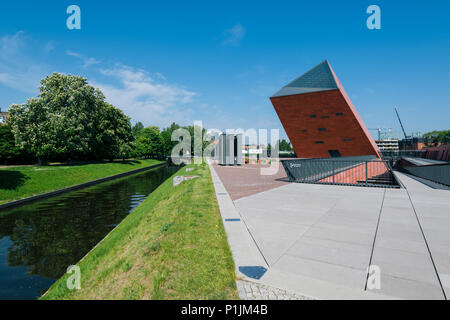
[(375, 239), (426, 243), (251, 235)]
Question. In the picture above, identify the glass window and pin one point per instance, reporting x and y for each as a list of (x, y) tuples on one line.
[(334, 153)]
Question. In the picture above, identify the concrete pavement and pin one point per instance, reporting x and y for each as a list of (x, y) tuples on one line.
[(319, 240)]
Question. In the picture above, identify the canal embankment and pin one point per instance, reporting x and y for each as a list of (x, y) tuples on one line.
[(173, 246), (40, 239), (19, 185)]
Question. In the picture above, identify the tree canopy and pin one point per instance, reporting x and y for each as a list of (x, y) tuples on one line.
[(149, 144), (70, 119), (436, 137)]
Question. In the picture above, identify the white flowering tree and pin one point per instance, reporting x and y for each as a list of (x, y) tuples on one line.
[(70, 119)]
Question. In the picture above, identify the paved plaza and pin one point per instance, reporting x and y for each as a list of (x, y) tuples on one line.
[(319, 240)]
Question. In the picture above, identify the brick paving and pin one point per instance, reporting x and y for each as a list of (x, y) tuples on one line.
[(255, 291), (246, 180)]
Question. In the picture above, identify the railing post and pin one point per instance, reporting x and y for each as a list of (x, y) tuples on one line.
[(332, 164), (366, 173)]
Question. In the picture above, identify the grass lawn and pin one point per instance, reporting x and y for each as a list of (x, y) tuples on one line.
[(25, 181), (173, 246)]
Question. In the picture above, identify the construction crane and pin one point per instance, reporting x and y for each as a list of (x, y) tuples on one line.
[(379, 130), (401, 124)]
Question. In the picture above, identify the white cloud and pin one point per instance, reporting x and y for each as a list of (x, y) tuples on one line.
[(87, 61), (234, 35), (144, 98), (18, 70)]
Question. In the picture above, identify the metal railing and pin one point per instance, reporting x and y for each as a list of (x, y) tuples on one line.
[(396, 155), (341, 171), (439, 173)]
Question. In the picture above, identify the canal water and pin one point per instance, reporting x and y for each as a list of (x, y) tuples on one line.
[(38, 241)]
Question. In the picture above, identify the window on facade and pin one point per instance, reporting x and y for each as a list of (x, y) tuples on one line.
[(339, 114), (325, 117), (322, 129), (334, 153), (312, 115), (304, 130), (347, 139), (318, 142)]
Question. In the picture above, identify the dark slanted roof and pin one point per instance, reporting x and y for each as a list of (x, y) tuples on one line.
[(319, 78)]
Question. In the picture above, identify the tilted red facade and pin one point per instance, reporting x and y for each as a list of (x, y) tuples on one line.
[(320, 120)]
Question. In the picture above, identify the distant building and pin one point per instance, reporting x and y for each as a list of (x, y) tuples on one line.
[(3, 117), (387, 145), (411, 144)]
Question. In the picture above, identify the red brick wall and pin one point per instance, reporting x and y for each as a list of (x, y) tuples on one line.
[(294, 112)]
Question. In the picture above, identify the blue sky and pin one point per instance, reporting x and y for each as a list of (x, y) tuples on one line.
[(219, 61)]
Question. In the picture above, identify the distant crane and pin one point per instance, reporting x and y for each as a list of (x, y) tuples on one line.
[(379, 130), (401, 124)]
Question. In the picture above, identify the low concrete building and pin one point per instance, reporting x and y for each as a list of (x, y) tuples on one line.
[(229, 149), (387, 144)]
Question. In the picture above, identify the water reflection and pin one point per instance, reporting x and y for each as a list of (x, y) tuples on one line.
[(39, 241)]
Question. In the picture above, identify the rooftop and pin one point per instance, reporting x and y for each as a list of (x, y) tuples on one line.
[(319, 78)]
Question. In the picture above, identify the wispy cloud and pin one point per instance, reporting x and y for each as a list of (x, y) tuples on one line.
[(18, 70), (234, 35), (144, 98), (86, 61)]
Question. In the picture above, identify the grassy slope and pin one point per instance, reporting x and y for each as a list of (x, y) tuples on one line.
[(25, 181), (173, 246)]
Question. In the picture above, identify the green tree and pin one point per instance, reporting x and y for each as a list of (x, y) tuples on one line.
[(166, 135), (149, 144), (70, 119), (285, 146), (8, 149), (114, 138), (137, 128), (436, 137)]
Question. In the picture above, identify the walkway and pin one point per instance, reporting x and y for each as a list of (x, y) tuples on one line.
[(319, 240)]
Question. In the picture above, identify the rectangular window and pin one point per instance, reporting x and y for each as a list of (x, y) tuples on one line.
[(339, 114), (318, 142), (347, 139), (322, 129), (325, 117), (334, 153), (312, 115), (304, 130)]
